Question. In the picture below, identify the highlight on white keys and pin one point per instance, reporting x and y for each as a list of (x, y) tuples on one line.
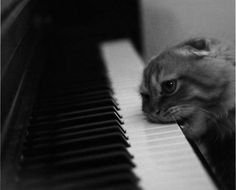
[(164, 159)]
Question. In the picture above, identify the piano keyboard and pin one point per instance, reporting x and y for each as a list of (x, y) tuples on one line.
[(163, 157), (75, 138), (87, 130)]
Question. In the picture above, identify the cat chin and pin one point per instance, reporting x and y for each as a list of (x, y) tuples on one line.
[(192, 134), (190, 131), (153, 119)]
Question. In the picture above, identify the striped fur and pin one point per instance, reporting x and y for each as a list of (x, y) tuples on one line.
[(204, 97)]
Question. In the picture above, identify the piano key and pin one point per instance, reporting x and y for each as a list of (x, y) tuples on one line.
[(63, 121), (73, 113), (79, 105), (51, 139), (72, 177), (78, 163), (125, 180), (69, 91), (30, 160), (164, 158), (83, 127), (77, 121), (76, 98), (71, 96), (72, 144)]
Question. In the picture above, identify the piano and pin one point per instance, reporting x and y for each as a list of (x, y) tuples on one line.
[(75, 122)]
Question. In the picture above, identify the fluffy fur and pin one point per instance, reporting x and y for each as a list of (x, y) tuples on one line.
[(193, 83)]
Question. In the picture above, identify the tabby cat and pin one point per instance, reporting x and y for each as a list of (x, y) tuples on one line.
[(193, 84)]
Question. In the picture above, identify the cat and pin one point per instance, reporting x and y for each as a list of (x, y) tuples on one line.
[(193, 83)]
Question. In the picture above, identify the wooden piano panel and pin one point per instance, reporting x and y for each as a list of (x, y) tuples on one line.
[(21, 64)]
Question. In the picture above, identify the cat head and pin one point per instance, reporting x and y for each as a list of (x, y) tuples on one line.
[(189, 83)]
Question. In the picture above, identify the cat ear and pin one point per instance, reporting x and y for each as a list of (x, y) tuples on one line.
[(199, 44), (199, 47)]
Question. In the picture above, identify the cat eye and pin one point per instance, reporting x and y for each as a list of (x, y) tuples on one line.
[(169, 86)]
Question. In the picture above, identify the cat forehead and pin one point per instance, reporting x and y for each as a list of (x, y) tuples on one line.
[(166, 75), (155, 82), (166, 66)]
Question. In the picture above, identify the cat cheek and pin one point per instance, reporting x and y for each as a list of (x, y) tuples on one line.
[(196, 126), (187, 112), (146, 108)]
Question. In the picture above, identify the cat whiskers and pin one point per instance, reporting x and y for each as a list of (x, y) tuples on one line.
[(186, 106), (171, 112), (211, 116), (173, 118)]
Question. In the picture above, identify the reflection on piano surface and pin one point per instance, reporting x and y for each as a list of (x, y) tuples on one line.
[(83, 128)]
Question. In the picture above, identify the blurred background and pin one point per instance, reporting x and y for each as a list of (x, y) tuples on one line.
[(161, 22), (167, 22)]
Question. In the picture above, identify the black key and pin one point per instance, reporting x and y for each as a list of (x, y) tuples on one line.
[(97, 150), (76, 99), (76, 107), (72, 114), (76, 121), (88, 133), (76, 144), (75, 128)]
